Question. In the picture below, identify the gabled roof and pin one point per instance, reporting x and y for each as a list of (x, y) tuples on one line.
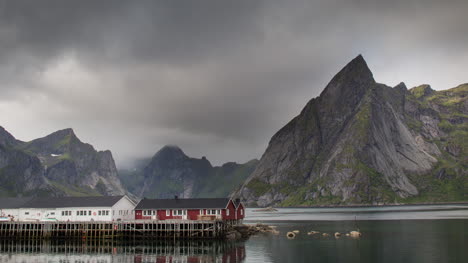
[(237, 202), (86, 201), (193, 203), (13, 202)]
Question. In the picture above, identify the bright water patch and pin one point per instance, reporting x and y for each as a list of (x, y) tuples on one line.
[(425, 212)]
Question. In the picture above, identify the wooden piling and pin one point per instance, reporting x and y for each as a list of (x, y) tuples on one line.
[(134, 230)]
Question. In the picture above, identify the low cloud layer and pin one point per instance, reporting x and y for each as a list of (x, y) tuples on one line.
[(217, 78)]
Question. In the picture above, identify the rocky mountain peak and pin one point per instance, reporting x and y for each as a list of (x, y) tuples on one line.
[(355, 76), (6, 138), (59, 142), (346, 89), (401, 86), (365, 142), (63, 133), (170, 152), (422, 91)]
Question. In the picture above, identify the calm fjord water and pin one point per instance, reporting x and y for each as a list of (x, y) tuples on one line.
[(390, 234)]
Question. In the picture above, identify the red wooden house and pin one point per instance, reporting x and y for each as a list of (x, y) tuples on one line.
[(240, 210), (190, 209)]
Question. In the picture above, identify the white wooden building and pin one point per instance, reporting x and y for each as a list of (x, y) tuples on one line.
[(93, 208), (10, 206)]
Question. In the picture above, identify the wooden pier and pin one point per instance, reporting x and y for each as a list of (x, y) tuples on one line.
[(124, 230)]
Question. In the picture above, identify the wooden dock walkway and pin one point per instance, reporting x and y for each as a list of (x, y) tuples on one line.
[(154, 229)]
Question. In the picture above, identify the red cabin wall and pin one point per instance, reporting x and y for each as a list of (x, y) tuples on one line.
[(232, 212), (238, 211), (192, 214), (162, 214), (138, 215)]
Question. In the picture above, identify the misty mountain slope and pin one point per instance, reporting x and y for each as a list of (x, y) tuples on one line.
[(58, 164), (364, 142), (70, 162), (171, 172), (20, 173)]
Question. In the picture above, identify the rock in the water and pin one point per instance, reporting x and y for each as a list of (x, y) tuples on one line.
[(291, 235), (355, 234)]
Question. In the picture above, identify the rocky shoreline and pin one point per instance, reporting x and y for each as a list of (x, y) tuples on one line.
[(246, 231)]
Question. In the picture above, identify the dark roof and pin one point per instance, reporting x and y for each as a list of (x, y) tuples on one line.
[(87, 201), (193, 203), (13, 202), (237, 202)]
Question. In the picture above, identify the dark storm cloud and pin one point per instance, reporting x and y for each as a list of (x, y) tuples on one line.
[(216, 77)]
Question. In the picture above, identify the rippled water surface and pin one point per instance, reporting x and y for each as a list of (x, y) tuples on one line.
[(390, 234)]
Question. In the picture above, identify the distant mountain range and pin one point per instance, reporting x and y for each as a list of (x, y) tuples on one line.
[(362, 142), (58, 164), (359, 142), (61, 165), (170, 172)]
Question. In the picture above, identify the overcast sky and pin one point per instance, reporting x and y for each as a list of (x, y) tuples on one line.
[(218, 78)]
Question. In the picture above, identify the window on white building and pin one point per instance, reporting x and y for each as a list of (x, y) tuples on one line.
[(26, 213), (99, 212), (107, 212)]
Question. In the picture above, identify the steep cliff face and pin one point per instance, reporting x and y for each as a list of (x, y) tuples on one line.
[(58, 164), (170, 172), (362, 142), (76, 167), (20, 173)]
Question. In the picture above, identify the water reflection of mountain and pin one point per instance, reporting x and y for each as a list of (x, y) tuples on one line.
[(108, 251)]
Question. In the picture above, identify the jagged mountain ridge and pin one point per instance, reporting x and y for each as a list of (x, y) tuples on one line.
[(20, 173), (171, 172), (58, 164), (365, 142)]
